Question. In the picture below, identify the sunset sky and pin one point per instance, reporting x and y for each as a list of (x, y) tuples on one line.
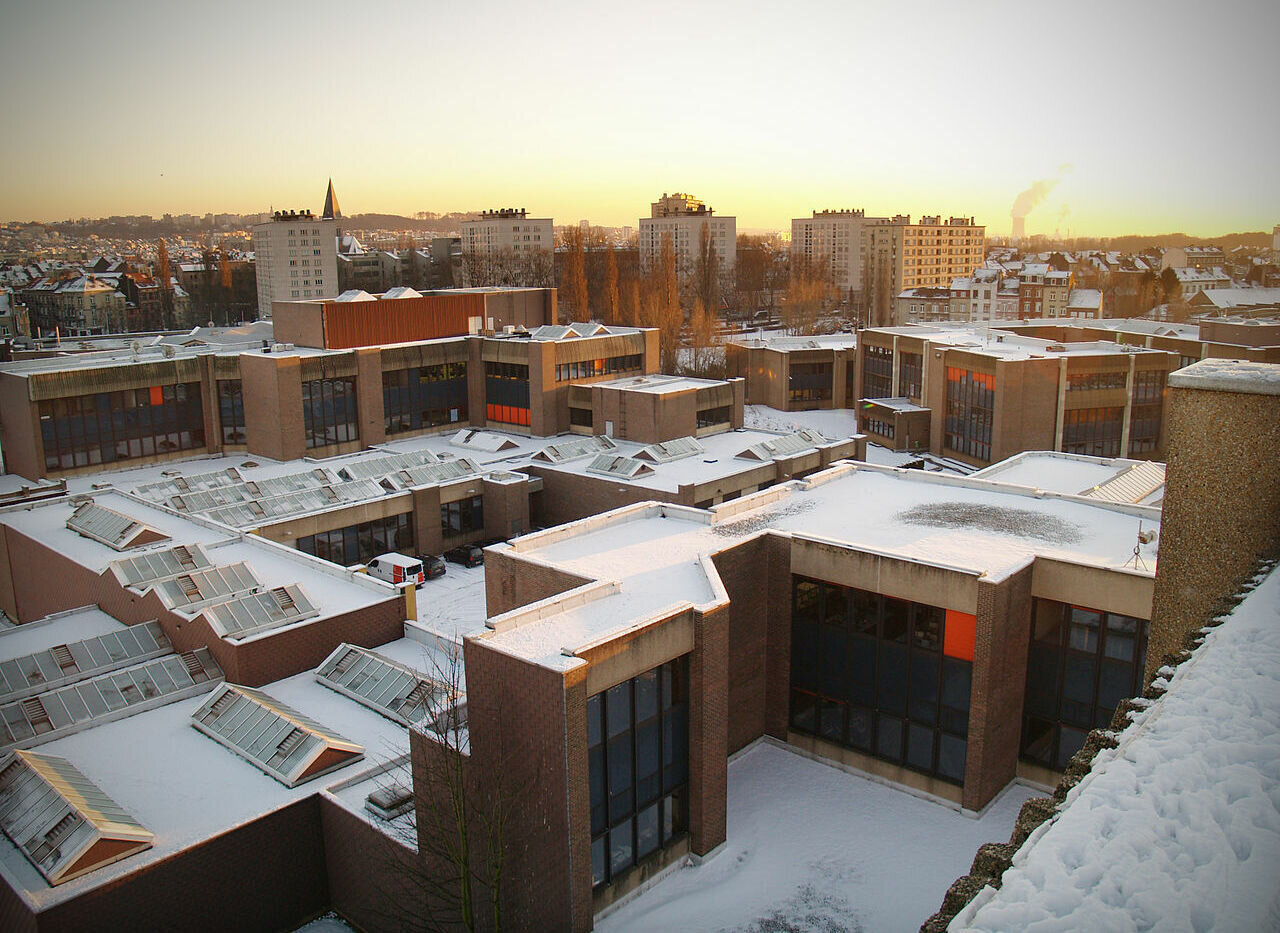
[(1144, 117)]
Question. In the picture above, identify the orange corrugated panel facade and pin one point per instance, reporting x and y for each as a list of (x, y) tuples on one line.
[(350, 324)]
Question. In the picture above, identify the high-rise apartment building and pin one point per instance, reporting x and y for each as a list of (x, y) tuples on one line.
[(296, 257), (902, 255), (506, 230), (835, 239), (683, 218)]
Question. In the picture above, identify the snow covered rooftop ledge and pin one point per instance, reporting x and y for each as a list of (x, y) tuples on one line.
[(1172, 822), (1229, 376)]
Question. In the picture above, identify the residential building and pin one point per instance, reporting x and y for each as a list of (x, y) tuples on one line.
[(296, 257), (835, 239), (505, 231), (924, 304), (683, 219), (974, 298), (901, 255), (1194, 281), (1043, 291), (1193, 257)]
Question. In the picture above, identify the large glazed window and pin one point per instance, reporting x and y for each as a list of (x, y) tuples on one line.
[(329, 413), (358, 544), (969, 414), (424, 397), (883, 676), (638, 747), (1080, 665), (106, 427), (506, 393), (231, 411)]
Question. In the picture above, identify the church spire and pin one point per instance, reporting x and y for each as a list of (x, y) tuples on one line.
[(331, 209)]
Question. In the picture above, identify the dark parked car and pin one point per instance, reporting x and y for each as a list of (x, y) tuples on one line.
[(468, 555), (434, 566)]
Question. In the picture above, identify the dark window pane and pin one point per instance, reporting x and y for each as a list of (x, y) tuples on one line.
[(862, 671), (620, 848), (1069, 742), (646, 831), (648, 761), (599, 804), (1115, 683), (860, 728), (598, 862), (893, 678), (895, 619), (951, 753), (804, 712), (618, 707), (889, 738), (646, 695), (919, 746), (831, 721)]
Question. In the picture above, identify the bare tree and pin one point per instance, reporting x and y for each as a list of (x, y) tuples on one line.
[(448, 869), (608, 304), (573, 283), (810, 293)]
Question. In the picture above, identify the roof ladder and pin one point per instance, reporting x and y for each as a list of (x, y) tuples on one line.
[(62, 655)]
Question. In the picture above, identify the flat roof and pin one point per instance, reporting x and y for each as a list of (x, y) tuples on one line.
[(718, 460), (789, 343), (659, 383), (1003, 344), (331, 589), (1070, 474), (1229, 376), (655, 553), (186, 788), (58, 629)]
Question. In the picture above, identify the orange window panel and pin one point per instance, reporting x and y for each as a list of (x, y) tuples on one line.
[(157, 395), (960, 633)]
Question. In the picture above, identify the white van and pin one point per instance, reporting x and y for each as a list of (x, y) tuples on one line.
[(396, 568)]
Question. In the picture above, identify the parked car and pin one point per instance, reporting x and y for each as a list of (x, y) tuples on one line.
[(397, 568), (468, 555), (434, 566)]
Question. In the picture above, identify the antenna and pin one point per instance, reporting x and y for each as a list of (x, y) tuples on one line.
[(1144, 537)]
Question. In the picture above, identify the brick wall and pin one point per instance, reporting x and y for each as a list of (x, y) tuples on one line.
[(742, 570), (510, 582), (567, 497), (709, 731), (267, 875), (373, 879), (1221, 507), (999, 684)]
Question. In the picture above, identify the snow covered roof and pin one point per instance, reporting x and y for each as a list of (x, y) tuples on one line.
[(1229, 376), (1103, 478), (60, 820), (272, 735), (189, 592), (648, 558), (355, 294), (400, 291), (1176, 828), (1090, 298)]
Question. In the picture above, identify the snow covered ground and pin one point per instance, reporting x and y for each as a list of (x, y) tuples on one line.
[(1179, 827), (814, 848)]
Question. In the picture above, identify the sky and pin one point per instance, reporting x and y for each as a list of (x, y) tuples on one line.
[(1133, 116)]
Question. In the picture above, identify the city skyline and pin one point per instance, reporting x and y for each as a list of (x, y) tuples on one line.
[(765, 115)]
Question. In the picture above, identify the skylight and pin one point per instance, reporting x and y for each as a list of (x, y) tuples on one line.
[(255, 612), (46, 716), (77, 660), (63, 822), (394, 690), (159, 565), (114, 529), (273, 736)]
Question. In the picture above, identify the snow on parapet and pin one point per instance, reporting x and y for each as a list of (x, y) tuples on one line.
[(1177, 826), (1229, 376)]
